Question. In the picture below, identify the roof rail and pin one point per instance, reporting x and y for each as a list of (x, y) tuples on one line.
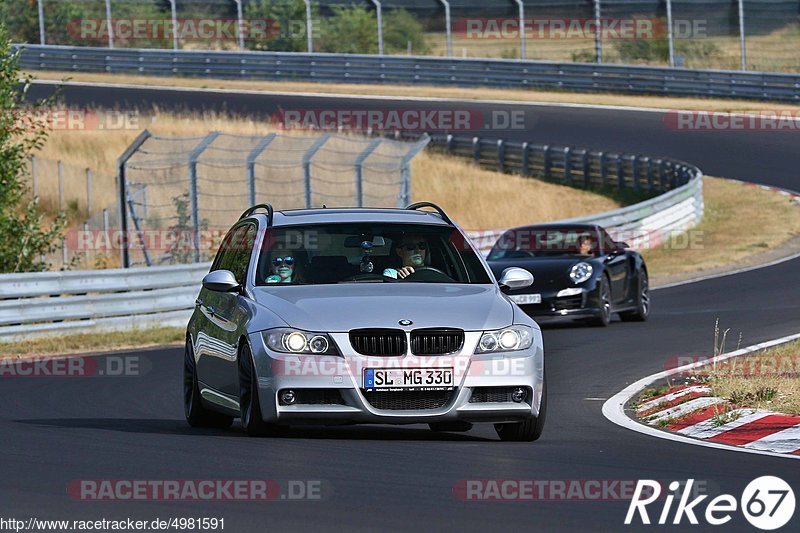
[(250, 210), (438, 209)]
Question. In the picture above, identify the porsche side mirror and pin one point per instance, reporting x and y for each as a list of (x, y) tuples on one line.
[(515, 278), (220, 281)]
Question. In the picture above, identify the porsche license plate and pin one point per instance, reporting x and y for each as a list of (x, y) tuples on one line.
[(523, 299), (421, 379)]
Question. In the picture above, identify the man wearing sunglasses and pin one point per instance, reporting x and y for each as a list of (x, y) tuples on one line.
[(282, 269), (412, 250)]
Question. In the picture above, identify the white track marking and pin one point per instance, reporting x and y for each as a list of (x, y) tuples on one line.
[(672, 396), (708, 428), (614, 408), (785, 441), (683, 409)]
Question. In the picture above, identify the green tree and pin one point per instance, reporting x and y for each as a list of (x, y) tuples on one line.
[(285, 19), (22, 234), (351, 30), (400, 28)]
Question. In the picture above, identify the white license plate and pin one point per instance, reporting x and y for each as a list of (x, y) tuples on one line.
[(522, 299), (384, 379)]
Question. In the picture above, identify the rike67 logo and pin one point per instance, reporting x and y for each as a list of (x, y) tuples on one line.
[(767, 503)]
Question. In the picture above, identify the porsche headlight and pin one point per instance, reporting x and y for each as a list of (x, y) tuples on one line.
[(289, 340), (506, 340), (580, 272)]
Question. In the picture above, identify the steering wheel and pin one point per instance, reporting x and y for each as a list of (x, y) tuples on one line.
[(428, 273), (368, 275)]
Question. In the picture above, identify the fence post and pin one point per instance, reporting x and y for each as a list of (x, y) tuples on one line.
[(405, 170), (174, 12), (239, 25), (501, 156), (89, 191), (307, 165), (448, 29), (194, 155), (521, 6), (547, 164), (122, 193), (309, 38), (379, 15), (110, 25), (568, 165), (670, 35), (476, 149), (41, 22), (251, 166), (525, 171), (359, 163), (598, 35), (742, 40)]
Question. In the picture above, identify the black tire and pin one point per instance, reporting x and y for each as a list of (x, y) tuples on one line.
[(197, 415), (529, 430), (456, 426), (603, 318), (249, 405), (642, 310)]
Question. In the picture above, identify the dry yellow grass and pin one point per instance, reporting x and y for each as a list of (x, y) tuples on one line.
[(731, 232), (768, 379), (89, 342), (517, 95)]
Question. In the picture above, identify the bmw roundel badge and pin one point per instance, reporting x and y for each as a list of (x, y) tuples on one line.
[(405, 322)]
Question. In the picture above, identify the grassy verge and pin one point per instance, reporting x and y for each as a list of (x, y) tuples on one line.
[(517, 95), (768, 379), (733, 232), (94, 342)]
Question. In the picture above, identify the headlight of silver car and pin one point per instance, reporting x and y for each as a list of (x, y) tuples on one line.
[(580, 272), (288, 340), (506, 340)]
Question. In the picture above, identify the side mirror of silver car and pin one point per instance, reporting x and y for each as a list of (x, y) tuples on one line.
[(515, 278), (220, 281)]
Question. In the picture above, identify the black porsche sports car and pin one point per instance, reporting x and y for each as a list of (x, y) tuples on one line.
[(579, 271)]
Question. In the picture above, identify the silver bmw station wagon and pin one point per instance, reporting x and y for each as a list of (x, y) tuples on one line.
[(360, 315)]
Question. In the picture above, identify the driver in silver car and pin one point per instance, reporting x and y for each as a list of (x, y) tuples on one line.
[(412, 250)]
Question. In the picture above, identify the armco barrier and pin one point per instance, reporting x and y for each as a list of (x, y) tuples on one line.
[(418, 70)]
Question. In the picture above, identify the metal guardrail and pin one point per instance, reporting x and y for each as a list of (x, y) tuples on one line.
[(418, 70)]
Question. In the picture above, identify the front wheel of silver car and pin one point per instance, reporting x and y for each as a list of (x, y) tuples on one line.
[(529, 430), (249, 405), (196, 413)]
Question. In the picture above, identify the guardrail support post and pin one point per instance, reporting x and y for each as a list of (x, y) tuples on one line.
[(568, 165), (587, 177), (662, 178), (450, 140), (307, 165), (525, 160), (195, 210), (476, 149), (501, 156), (603, 170), (637, 174), (122, 197), (359, 163), (448, 29), (251, 166), (620, 172), (547, 164), (649, 174)]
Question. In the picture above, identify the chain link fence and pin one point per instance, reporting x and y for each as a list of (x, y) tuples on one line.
[(762, 35), (183, 193)]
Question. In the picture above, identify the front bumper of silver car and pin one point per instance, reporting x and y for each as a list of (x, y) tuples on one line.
[(330, 389)]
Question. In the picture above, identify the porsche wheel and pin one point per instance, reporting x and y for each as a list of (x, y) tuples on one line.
[(642, 310), (603, 317)]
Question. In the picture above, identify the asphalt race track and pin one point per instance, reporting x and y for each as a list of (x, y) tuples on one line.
[(54, 430)]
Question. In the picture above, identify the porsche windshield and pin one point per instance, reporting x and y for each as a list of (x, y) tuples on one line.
[(541, 242), (367, 253)]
